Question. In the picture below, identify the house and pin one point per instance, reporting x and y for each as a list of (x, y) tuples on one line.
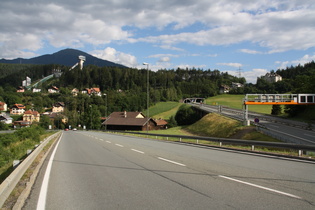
[(236, 85), (160, 124), (75, 92), (92, 91), (95, 91), (31, 116), (6, 119), (129, 121), (3, 107), (36, 90), (17, 109), (53, 89), (58, 107), (21, 123), (224, 89), (20, 90), (272, 77)]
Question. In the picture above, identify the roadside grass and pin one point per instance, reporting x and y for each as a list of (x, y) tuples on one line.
[(15, 150)]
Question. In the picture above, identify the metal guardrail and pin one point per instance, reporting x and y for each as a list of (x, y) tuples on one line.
[(10, 182), (280, 145)]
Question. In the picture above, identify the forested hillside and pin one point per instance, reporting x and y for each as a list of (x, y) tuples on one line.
[(126, 88)]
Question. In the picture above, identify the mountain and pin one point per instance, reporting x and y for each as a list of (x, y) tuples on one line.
[(67, 57)]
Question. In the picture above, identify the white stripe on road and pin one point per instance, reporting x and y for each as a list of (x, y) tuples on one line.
[(261, 187), (101, 140), (43, 191), (137, 151), (119, 145), (170, 161), (108, 142)]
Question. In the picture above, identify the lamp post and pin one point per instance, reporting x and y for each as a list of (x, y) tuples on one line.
[(147, 64), (105, 111)]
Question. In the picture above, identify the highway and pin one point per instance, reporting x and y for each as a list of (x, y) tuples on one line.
[(95, 170)]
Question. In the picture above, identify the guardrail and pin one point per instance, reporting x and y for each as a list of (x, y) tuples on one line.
[(279, 145), (10, 182)]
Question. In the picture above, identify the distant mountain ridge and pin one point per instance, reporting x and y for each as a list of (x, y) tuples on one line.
[(67, 57)]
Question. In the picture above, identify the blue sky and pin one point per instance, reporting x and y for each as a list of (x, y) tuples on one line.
[(252, 35)]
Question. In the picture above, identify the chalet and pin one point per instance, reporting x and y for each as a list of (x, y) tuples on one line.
[(58, 107), (17, 109), (31, 116), (3, 107), (53, 89), (129, 121)]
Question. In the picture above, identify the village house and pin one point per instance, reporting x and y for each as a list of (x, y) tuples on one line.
[(129, 121), (3, 106), (20, 89), (272, 77), (31, 116), (17, 109), (75, 91), (58, 107), (6, 119), (92, 91), (53, 89)]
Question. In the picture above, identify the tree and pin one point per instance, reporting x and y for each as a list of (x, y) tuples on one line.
[(276, 110), (186, 115)]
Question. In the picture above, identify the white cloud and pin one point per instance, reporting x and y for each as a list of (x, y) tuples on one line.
[(305, 59), (115, 56), (237, 65), (248, 51), (250, 76)]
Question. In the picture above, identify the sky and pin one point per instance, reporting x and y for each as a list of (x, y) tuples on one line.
[(246, 38)]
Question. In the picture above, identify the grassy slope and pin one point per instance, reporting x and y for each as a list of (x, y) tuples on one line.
[(212, 125), (164, 110), (236, 101)]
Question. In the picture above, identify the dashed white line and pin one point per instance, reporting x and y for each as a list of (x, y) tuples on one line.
[(108, 142), (170, 161), (119, 145), (137, 151), (101, 139), (261, 187)]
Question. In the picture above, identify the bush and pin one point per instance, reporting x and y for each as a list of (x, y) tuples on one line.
[(186, 115)]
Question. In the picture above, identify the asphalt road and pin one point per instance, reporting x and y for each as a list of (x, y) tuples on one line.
[(94, 170)]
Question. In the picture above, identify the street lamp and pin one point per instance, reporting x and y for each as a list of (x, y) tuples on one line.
[(105, 111), (147, 64)]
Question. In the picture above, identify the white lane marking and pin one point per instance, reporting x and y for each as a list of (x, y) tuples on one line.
[(170, 161), (119, 145), (261, 187), (137, 151), (43, 190), (108, 142), (101, 140)]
